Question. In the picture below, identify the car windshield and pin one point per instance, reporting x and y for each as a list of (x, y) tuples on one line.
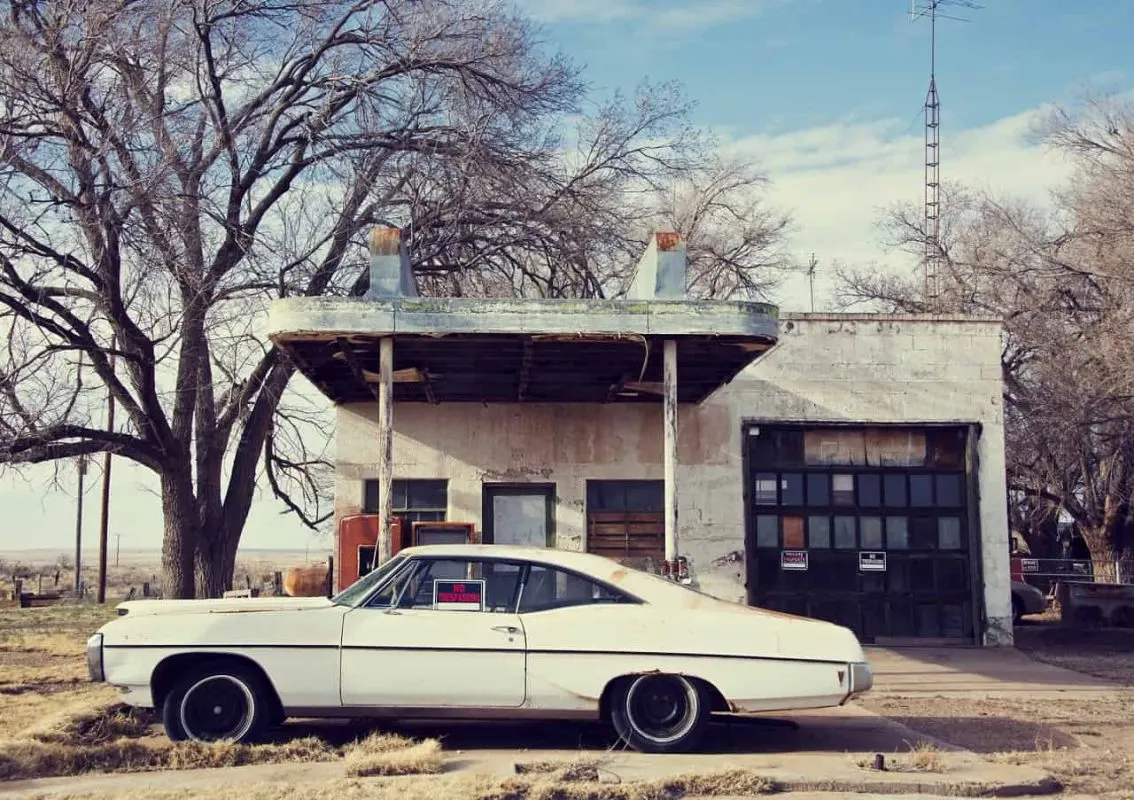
[(353, 594)]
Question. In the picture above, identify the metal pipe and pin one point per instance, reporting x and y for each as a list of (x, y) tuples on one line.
[(385, 448)]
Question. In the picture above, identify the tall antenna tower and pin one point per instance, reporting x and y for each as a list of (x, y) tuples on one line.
[(931, 226)]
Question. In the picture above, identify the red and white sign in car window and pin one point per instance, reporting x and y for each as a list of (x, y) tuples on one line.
[(458, 595)]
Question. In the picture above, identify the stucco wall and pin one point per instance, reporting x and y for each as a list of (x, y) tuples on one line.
[(861, 368)]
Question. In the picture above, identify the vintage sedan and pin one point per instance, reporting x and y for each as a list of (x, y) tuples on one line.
[(476, 631)]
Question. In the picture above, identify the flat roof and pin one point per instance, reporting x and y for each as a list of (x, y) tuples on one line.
[(520, 350)]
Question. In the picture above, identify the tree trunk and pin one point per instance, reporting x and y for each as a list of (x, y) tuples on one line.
[(181, 531), (1100, 542), (216, 560)]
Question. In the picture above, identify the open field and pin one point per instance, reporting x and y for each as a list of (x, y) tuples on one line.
[(52, 570)]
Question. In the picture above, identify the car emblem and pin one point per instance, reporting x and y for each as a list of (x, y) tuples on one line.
[(842, 674)]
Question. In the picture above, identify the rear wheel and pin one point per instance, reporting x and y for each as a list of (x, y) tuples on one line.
[(217, 703), (1017, 610), (660, 713)]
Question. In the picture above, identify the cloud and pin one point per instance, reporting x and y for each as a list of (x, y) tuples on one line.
[(705, 14), (837, 178)]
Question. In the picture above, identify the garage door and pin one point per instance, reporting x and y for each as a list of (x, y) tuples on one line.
[(866, 527)]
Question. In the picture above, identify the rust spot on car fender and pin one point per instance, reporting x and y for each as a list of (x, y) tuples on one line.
[(618, 576)]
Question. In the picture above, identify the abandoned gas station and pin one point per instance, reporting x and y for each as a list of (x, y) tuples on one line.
[(847, 467)]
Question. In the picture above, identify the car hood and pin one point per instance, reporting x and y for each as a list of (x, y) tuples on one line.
[(233, 605)]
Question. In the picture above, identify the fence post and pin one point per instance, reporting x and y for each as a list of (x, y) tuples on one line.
[(1117, 571)]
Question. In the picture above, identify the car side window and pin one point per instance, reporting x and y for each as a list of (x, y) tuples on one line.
[(386, 596), (455, 584), (547, 588)]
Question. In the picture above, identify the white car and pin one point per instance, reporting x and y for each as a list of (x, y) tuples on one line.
[(477, 631)]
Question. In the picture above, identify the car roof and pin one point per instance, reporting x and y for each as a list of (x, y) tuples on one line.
[(645, 586)]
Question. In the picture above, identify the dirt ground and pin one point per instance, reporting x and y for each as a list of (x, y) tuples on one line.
[(1086, 741), (53, 722)]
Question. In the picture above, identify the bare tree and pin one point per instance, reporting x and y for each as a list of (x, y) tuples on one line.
[(1063, 282), (168, 166)]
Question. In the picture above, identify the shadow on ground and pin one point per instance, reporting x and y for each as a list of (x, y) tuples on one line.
[(814, 733), (992, 734)]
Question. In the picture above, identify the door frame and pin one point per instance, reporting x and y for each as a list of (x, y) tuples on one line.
[(489, 491)]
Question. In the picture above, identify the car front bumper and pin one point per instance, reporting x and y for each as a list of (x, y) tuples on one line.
[(95, 667)]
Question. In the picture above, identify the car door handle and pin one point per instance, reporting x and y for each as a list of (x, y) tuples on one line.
[(506, 629)]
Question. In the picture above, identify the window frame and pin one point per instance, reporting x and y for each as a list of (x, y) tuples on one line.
[(409, 512), (414, 564)]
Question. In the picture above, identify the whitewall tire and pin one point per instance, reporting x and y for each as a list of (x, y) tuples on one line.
[(659, 713), (219, 702)]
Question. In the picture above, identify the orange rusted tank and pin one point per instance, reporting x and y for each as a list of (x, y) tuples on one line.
[(306, 581)]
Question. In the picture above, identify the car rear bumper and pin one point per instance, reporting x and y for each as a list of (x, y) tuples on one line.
[(861, 678)]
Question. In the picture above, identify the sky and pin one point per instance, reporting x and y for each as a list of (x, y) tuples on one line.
[(826, 95)]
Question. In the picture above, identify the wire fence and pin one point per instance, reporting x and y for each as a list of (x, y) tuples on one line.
[(1045, 573)]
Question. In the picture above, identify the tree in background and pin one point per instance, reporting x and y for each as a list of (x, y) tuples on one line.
[(167, 167), (1062, 279)]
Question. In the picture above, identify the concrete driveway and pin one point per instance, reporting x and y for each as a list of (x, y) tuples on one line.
[(975, 671)]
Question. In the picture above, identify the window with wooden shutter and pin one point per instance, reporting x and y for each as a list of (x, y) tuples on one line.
[(626, 521)]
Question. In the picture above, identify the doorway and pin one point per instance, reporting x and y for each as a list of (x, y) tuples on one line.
[(520, 514)]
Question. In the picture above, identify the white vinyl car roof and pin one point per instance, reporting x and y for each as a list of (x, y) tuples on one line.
[(650, 588)]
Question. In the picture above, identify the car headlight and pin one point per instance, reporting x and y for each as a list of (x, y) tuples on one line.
[(94, 658), (861, 677)]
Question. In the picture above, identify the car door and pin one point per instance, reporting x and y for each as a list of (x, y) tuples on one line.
[(446, 635)]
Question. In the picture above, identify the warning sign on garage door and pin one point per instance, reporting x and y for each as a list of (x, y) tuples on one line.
[(793, 559), (871, 562)]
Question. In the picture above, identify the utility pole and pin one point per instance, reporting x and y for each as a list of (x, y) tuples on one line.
[(79, 500), (117, 548), (811, 279), (104, 519), (79, 528)]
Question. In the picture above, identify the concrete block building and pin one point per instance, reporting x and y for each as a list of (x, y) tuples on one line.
[(842, 466)]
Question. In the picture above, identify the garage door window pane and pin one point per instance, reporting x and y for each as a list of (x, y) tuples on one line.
[(897, 533), (921, 491), (765, 491), (871, 533), (870, 490), (842, 489), (923, 532), (767, 531), (894, 490), (819, 533), (844, 533), (793, 533), (949, 533), (791, 489), (949, 490), (818, 490)]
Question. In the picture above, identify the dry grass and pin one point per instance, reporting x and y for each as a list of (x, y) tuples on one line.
[(382, 754), (923, 756), (52, 722)]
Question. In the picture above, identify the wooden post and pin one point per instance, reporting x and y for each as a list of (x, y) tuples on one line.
[(669, 403), (330, 576), (385, 448)]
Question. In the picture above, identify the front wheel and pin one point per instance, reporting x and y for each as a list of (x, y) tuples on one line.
[(660, 713), (217, 703)]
